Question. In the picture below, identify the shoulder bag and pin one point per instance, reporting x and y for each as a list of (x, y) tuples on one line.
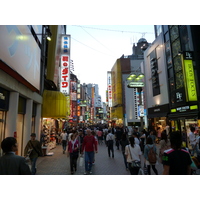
[(39, 154), (134, 163)]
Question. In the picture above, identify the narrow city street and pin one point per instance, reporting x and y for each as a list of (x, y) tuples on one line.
[(58, 163)]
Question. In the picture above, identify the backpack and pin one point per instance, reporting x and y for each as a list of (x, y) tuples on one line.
[(152, 158)]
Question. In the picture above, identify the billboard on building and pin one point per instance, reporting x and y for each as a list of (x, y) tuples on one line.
[(109, 83), (65, 65), (19, 50), (116, 84)]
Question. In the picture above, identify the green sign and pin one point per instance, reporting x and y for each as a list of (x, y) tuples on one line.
[(190, 80)]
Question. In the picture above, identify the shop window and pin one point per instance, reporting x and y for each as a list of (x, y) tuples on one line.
[(185, 42)]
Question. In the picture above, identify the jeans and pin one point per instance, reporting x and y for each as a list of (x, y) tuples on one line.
[(89, 158), (33, 165), (64, 144)]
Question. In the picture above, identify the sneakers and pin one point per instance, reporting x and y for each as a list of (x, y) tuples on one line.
[(87, 173)]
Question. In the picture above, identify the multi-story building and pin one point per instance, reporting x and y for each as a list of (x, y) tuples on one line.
[(174, 76), (125, 101), (29, 80)]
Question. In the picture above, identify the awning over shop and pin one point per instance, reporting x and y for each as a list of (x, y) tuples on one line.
[(54, 104)]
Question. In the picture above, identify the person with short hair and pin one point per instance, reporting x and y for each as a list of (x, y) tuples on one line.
[(10, 163), (89, 146), (176, 161), (193, 141), (36, 147)]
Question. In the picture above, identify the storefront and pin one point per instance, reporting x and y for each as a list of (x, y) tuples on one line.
[(157, 117), (4, 98)]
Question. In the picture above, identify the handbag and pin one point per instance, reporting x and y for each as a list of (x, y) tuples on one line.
[(27, 157), (81, 161), (134, 163)]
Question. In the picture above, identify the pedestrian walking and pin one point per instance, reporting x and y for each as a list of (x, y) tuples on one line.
[(89, 146), (176, 161), (149, 145), (124, 142), (133, 153), (73, 150), (64, 140), (110, 138), (36, 147), (193, 141), (10, 163), (118, 135), (100, 136), (96, 141), (164, 144), (152, 135)]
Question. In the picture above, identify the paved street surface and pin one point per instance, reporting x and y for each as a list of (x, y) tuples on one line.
[(58, 163)]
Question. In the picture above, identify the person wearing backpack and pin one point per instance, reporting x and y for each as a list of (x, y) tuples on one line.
[(150, 156)]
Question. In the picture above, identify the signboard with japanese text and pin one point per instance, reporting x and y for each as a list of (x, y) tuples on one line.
[(109, 89), (65, 65)]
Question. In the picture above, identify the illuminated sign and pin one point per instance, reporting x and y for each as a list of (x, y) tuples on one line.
[(65, 65), (190, 80), (109, 89), (135, 84), (65, 75)]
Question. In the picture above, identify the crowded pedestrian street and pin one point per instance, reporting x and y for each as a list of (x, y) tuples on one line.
[(59, 163)]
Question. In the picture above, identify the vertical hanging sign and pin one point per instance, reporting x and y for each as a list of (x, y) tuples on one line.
[(109, 83), (65, 65), (189, 76)]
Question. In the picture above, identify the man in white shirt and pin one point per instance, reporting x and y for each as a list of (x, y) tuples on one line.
[(110, 141), (64, 140), (193, 141)]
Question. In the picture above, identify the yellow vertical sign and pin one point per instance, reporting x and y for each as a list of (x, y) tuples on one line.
[(190, 80)]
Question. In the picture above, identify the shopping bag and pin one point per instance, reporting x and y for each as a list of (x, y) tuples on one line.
[(141, 172), (81, 161)]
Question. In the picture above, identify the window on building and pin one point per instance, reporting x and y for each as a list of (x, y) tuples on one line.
[(158, 30)]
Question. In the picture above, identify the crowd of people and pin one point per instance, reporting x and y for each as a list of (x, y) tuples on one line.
[(174, 156)]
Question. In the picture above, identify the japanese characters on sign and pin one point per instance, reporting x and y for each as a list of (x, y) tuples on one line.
[(109, 89), (65, 65)]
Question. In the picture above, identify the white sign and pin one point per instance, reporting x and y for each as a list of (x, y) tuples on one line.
[(65, 65), (19, 50), (136, 84)]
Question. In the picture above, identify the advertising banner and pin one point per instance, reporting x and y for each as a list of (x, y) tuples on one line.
[(65, 65)]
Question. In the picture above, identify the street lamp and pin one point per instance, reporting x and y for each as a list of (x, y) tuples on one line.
[(134, 81)]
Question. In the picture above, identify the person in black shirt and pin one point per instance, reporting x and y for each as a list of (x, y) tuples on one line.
[(176, 161)]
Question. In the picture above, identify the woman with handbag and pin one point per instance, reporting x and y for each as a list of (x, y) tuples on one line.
[(133, 156), (73, 150)]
